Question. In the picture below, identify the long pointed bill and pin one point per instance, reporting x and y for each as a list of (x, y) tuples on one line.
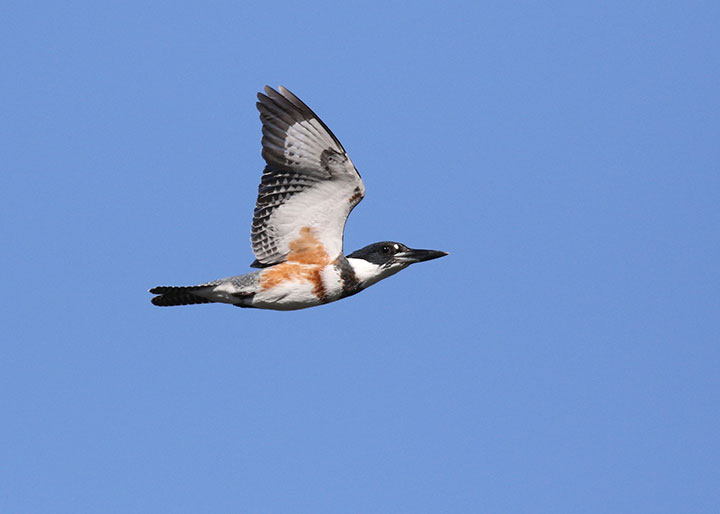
[(412, 256)]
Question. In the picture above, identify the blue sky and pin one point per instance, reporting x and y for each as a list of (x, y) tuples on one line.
[(563, 358)]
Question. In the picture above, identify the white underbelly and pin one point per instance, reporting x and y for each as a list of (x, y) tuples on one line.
[(287, 296), (300, 293)]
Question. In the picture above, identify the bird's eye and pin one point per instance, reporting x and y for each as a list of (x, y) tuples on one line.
[(386, 249)]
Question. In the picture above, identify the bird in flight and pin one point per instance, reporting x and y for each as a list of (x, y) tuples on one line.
[(307, 190)]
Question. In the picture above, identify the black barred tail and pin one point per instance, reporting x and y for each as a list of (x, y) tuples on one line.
[(183, 295)]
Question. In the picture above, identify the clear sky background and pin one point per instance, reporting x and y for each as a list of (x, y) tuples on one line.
[(563, 358)]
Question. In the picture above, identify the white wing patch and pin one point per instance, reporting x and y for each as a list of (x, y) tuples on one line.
[(309, 181)]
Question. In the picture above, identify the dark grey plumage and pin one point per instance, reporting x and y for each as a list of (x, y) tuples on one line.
[(379, 253), (243, 289), (182, 295)]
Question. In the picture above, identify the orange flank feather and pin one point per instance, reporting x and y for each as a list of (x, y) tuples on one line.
[(304, 263)]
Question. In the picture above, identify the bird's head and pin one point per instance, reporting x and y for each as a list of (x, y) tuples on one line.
[(381, 260)]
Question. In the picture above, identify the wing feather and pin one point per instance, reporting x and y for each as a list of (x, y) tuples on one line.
[(309, 182)]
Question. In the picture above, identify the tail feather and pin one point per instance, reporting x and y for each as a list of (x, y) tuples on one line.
[(183, 295)]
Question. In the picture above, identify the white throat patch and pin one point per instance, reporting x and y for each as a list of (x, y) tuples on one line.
[(368, 273)]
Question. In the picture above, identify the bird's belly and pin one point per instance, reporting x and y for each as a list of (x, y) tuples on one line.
[(287, 296), (289, 286)]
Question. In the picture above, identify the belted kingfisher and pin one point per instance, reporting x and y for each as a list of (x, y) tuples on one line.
[(306, 193)]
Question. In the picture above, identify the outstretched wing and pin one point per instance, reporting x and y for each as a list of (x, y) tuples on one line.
[(308, 187)]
